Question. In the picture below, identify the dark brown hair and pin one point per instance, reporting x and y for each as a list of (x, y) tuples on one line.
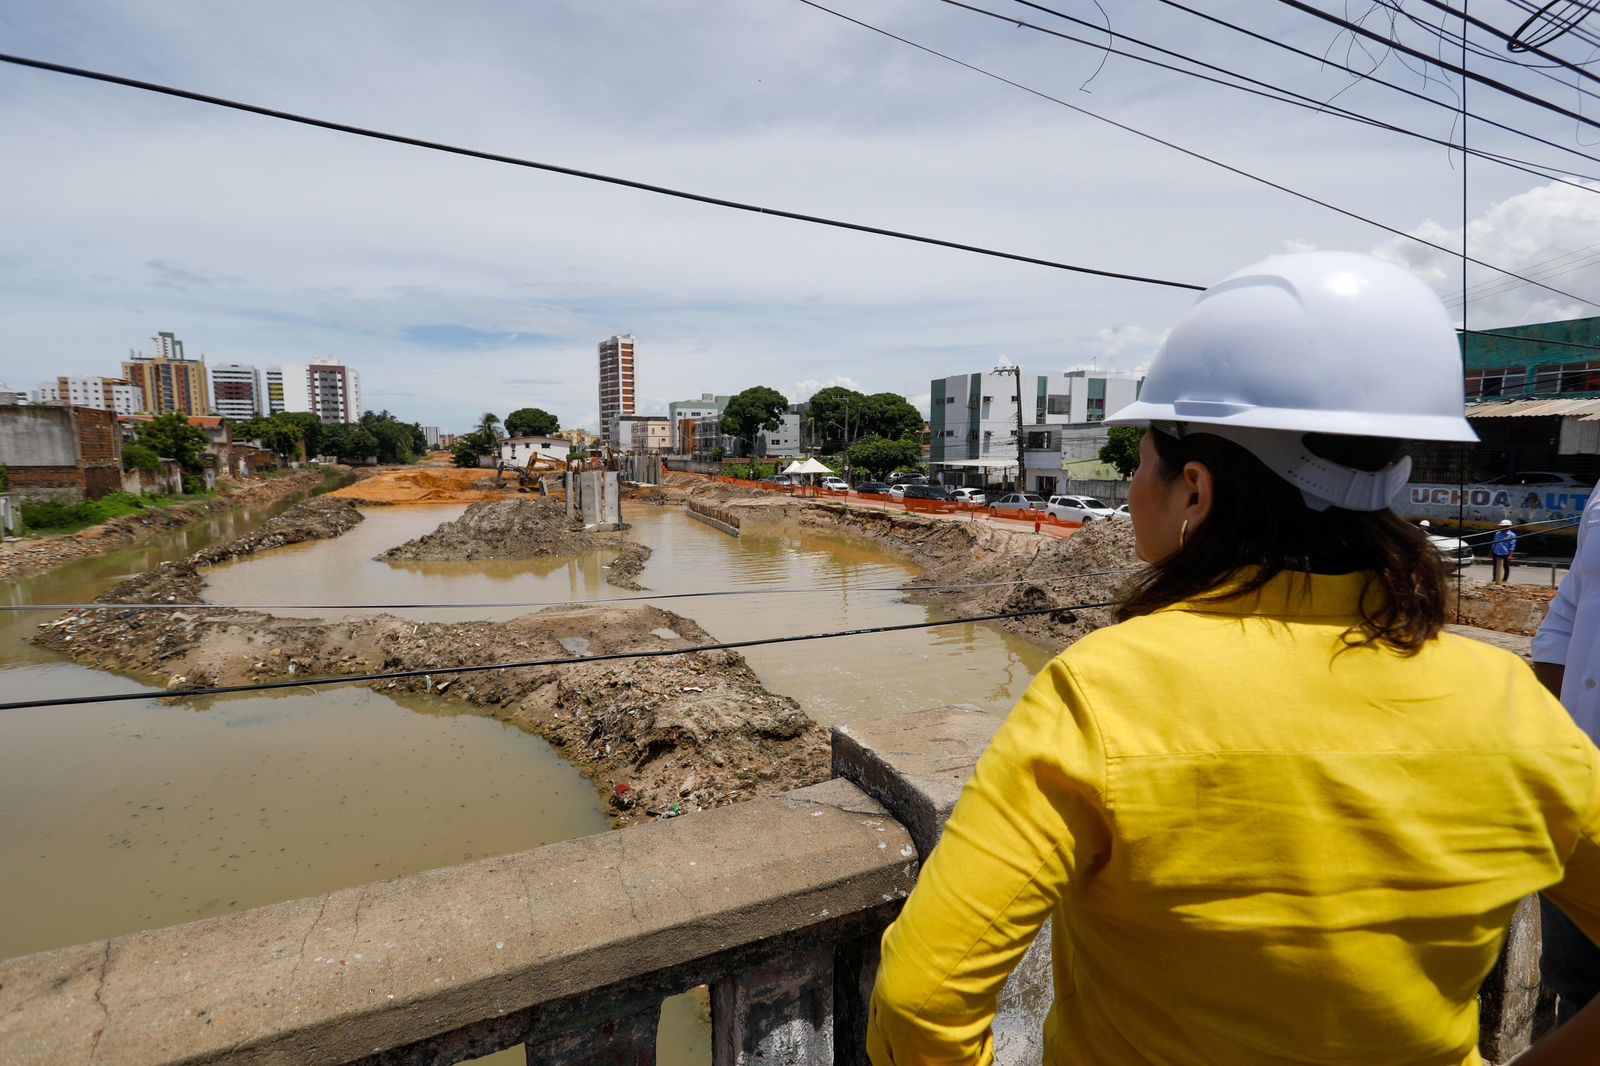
[(1259, 520)]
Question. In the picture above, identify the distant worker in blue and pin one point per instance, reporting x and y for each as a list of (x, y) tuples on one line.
[(1505, 546)]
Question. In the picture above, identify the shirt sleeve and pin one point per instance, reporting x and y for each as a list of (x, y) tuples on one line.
[(1578, 894), (1555, 633), (1030, 820)]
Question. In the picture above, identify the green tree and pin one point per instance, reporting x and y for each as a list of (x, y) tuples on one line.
[(1122, 449), (878, 456), (467, 450), (753, 410), (394, 440), (532, 422), (891, 416), (832, 410), (139, 457), (171, 436), (488, 426)]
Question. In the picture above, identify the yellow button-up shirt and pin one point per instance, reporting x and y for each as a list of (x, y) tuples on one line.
[(1258, 843)]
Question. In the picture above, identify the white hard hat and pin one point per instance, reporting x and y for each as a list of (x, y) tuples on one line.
[(1425, 524), (1505, 521), (1317, 342)]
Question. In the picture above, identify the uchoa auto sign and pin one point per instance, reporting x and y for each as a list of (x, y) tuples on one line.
[(1485, 505)]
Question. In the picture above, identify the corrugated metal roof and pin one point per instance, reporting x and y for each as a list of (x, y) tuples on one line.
[(1584, 410)]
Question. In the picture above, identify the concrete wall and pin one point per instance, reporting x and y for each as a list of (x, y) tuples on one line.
[(61, 452)]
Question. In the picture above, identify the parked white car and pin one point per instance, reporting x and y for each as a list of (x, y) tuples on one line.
[(1078, 509), (835, 484), (1122, 512), (1018, 501), (972, 496), (898, 492), (1454, 552)]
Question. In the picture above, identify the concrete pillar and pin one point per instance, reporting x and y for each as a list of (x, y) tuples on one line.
[(629, 1041), (569, 482), (776, 1014)]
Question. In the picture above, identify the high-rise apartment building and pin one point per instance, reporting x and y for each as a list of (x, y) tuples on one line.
[(329, 390), (103, 394), (236, 391), (616, 383), (168, 382)]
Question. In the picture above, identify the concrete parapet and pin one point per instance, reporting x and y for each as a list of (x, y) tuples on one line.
[(447, 964)]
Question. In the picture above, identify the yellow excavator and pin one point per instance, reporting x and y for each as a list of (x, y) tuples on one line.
[(530, 474)]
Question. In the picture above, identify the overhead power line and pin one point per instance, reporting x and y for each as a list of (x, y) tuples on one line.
[(1506, 37), (572, 172), (1290, 96), (818, 590), (1239, 171), (448, 671), (1372, 77), (1405, 49)]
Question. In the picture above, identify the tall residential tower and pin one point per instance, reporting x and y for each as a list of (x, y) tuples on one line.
[(167, 382), (616, 383)]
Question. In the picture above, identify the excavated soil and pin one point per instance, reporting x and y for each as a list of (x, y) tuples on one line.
[(320, 519), (21, 557), (658, 736), (1506, 608), (426, 484), (522, 527)]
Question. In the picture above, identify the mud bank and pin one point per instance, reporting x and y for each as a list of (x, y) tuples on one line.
[(1015, 569), (18, 558), (658, 736), (423, 484), (522, 527)]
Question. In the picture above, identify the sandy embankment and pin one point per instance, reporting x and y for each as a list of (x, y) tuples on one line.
[(426, 484), (662, 735)]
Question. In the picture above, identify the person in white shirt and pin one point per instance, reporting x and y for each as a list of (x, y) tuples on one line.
[(1566, 656)]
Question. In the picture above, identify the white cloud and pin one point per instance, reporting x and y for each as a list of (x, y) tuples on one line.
[(1295, 244), (804, 390)]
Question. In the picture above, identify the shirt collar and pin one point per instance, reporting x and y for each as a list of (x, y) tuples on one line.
[(1292, 593)]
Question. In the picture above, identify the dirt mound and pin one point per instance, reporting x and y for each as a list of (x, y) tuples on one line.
[(1505, 607), (430, 484), (521, 527), (323, 518), (658, 736)]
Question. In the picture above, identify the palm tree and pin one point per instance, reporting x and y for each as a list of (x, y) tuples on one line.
[(486, 428)]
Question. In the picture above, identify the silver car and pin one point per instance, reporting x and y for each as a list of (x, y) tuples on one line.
[(1018, 501), (1078, 509)]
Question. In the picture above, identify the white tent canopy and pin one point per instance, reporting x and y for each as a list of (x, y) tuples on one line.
[(807, 466)]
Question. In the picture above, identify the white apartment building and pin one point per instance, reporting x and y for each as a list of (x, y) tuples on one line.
[(103, 394), (785, 440), (974, 418), (639, 433), (236, 391), (686, 417), (328, 389)]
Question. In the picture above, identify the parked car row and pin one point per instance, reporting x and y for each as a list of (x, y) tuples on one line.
[(916, 487)]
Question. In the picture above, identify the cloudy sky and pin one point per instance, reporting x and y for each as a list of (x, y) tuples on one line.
[(457, 286)]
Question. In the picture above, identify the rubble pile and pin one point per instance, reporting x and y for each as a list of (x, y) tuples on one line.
[(323, 518), (1506, 607), (658, 736), (522, 527)]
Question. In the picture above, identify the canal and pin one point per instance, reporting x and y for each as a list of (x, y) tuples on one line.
[(134, 815)]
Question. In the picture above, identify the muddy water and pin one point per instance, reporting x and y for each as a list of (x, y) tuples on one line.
[(127, 816)]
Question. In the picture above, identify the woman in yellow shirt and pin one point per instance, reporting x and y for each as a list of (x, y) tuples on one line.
[(1276, 814)]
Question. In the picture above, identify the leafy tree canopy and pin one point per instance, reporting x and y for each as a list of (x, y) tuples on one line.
[(878, 456), (395, 441), (467, 450), (532, 422), (171, 436), (1122, 450), (139, 457), (753, 410), (488, 426), (882, 414)]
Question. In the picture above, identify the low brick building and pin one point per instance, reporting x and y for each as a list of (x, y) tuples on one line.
[(72, 453)]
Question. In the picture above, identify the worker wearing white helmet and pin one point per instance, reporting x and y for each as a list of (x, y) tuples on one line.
[(1270, 811)]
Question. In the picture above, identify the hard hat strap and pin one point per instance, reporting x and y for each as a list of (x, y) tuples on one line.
[(1322, 482)]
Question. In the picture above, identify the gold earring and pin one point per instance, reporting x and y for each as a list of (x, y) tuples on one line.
[(1183, 533)]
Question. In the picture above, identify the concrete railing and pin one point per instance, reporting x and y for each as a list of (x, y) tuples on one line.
[(776, 904)]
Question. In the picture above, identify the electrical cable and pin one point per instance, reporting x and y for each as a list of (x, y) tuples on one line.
[(1366, 76), (1527, 340), (1238, 171), (656, 653), (1482, 79), (491, 605), (1468, 20), (1563, 25), (628, 183)]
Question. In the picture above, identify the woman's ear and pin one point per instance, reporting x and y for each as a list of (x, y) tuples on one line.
[(1200, 489)]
